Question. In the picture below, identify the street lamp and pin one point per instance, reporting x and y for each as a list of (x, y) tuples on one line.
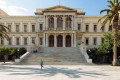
[(18, 52)]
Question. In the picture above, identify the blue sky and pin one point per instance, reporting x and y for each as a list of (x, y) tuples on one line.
[(28, 7)]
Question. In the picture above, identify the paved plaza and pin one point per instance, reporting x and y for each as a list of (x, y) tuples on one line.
[(59, 72)]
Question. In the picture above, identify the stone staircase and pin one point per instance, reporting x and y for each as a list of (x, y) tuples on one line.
[(56, 56)]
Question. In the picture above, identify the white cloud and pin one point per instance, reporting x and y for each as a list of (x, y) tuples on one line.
[(13, 10)]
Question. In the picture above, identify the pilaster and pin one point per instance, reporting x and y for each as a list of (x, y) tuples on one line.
[(63, 40), (21, 40), (63, 22), (55, 41), (29, 39)]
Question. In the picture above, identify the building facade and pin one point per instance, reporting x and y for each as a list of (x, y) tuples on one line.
[(57, 26)]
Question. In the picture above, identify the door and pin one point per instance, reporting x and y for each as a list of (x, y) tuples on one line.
[(59, 41), (51, 41), (68, 41)]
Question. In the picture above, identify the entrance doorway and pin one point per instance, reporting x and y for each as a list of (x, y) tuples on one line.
[(51, 41), (68, 41), (59, 41)]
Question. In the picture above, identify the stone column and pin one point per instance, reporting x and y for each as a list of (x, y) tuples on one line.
[(91, 40), (13, 27), (29, 40), (72, 23), (55, 22), (44, 24), (21, 27), (13, 40), (63, 40), (29, 27), (63, 22), (55, 41), (21, 40), (37, 40), (5, 41), (74, 39), (46, 40), (98, 39)]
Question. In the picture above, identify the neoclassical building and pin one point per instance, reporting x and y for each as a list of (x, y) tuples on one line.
[(57, 26)]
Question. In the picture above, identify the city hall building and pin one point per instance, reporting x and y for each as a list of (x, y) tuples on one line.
[(57, 26)]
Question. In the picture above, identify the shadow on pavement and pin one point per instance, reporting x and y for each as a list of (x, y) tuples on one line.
[(49, 71)]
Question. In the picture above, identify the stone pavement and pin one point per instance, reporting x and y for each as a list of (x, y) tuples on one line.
[(59, 72)]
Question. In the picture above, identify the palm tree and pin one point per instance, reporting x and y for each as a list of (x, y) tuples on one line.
[(112, 18), (4, 32)]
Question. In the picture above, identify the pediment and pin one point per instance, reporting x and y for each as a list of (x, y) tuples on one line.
[(59, 8), (2, 13)]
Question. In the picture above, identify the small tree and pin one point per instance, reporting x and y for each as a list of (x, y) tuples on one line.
[(5, 51)]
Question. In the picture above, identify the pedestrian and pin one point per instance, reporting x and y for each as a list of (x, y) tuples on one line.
[(41, 64)]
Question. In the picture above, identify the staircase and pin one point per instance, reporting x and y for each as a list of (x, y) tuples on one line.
[(56, 56)]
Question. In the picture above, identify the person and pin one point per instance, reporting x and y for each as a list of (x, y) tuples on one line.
[(41, 63)]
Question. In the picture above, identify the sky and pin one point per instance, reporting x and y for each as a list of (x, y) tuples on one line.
[(28, 7)]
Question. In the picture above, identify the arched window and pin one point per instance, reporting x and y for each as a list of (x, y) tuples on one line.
[(59, 22), (51, 22), (68, 22)]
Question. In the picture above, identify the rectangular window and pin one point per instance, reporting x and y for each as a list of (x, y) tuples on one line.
[(95, 28), (25, 28), (79, 27), (41, 27), (17, 28), (102, 40), (17, 41), (103, 29), (2, 41), (94, 41), (33, 40), (87, 41), (25, 41), (87, 28), (33, 28), (10, 41), (40, 41), (9, 27)]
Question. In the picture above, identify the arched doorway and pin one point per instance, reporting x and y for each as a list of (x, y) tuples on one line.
[(51, 41), (59, 41), (68, 41)]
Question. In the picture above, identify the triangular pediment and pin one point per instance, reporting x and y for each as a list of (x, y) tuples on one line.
[(59, 8), (2, 13)]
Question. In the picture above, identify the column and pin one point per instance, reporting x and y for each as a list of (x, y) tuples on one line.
[(63, 40), (29, 39), (21, 27), (5, 23), (72, 23), (37, 40), (55, 41), (55, 23), (91, 40), (13, 27), (44, 24), (98, 39), (29, 27), (72, 41), (21, 40), (46, 40), (5, 41), (13, 40), (63, 22), (75, 23), (75, 40)]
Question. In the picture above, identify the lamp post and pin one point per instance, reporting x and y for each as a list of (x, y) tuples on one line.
[(18, 52)]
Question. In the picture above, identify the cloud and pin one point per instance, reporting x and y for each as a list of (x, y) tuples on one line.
[(13, 10)]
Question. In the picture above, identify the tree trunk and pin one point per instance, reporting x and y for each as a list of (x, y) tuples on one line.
[(115, 26)]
